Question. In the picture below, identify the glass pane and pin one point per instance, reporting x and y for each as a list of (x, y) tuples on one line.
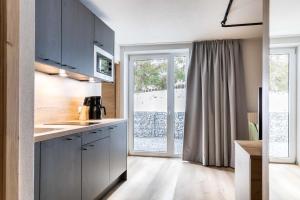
[(179, 100), (150, 105), (279, 106)]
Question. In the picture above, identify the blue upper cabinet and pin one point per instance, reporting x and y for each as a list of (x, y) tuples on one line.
[(48, 31), (104, 36), (77, 37), (66, 32)]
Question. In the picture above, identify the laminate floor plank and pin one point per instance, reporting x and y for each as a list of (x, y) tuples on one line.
[(172, 179), (284, 182)]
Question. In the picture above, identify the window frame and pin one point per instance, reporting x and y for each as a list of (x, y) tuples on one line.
[(292, 104), (170, 101)]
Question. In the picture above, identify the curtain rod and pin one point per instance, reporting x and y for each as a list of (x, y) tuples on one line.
[(223, 23)]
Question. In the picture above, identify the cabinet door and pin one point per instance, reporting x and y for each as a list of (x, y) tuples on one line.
[(37, 161), (118, 151), (77, 38), (48, 31), (104, 36), (60, 175), (95, 168)]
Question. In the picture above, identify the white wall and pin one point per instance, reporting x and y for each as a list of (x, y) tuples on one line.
[(26, 101), (252, 56)]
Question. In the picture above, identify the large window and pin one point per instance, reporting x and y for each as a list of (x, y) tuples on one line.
[(282, 101), (157, 103)]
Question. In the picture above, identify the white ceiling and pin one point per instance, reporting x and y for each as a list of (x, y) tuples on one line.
[(174, 21), (284, 18)]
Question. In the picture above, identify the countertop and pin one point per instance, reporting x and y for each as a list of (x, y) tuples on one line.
[(253, 148), (64, 130)]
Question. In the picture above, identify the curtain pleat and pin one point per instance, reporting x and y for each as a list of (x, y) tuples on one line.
[(215, 103)]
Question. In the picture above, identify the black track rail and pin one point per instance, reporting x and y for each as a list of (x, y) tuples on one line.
[(223, 22)]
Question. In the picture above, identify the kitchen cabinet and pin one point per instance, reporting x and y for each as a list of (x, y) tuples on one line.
[(81, 166), (77, 38), (60, 169), (37, 160), (95, 168), (118, 150), (104, 36), (48, 31), (66, 32)]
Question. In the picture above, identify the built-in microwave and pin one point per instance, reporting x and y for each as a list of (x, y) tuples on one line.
[(103, 64)]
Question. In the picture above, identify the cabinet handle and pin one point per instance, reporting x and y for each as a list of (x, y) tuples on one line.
[(71, 67), (98, 43), (91, 145), (84, 149), (68, 66), (49, 60), (111, 128), (69, 139)]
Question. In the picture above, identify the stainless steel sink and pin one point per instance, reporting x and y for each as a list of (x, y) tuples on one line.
[(44, 130)]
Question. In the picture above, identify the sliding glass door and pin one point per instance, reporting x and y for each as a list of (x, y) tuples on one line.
[(282, 105), (157, 103)]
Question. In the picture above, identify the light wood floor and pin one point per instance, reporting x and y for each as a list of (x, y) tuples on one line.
[(284, 182), (172, 179)]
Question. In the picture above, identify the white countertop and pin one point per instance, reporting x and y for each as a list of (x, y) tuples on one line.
[(64, 130)]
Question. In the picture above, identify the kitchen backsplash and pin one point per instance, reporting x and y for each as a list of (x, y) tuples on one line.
[(58, 98)]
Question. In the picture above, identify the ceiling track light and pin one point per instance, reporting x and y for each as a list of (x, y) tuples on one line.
[(223, 23)]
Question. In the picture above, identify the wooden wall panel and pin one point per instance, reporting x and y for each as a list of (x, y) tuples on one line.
[(58, 99), (111, 95), (109, 99)]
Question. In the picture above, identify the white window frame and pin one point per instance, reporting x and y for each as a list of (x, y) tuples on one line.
[(170, 101), (292, 104)]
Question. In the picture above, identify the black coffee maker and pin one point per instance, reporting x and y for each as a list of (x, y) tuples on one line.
[(95, 107)]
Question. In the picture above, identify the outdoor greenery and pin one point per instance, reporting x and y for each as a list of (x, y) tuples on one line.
[(152, 74), (279, 73)]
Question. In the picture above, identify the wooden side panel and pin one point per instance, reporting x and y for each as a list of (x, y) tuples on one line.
[(118, 89), (2, 94), (12, 104)]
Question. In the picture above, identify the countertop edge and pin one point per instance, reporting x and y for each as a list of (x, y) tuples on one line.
[(252, 148), (70, 131)]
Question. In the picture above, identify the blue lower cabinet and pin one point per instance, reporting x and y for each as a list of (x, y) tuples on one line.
[(95, 168), (81, 166), (60, 169)]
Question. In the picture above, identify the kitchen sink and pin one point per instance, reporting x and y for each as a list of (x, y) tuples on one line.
[(44, 130)]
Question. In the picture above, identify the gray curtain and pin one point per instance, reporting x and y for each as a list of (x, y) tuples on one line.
[(215, 104)]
